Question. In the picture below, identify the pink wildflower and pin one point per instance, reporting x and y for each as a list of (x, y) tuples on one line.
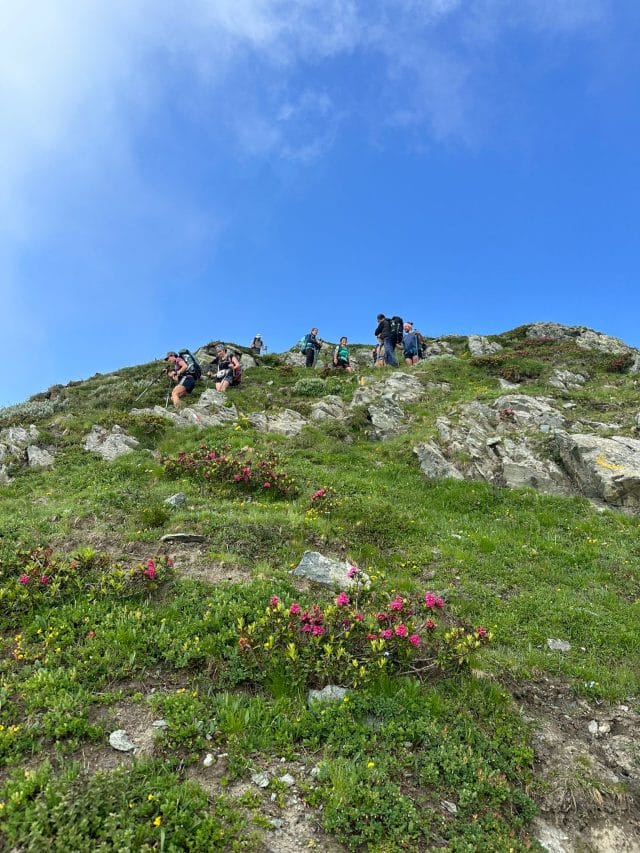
[(24, 579), (381, 617), (342, 600), (237, 477), (397, 603), (430, 625), (414, 639), (266, 485), (359, 617), (306, 628), (317, 631), (401, 630), (274, 601), (353, 571), (481, 632), (150, 571), (294, 609), (151, 565), (387, 634), (371, 637), (45, 579), (432, 600)]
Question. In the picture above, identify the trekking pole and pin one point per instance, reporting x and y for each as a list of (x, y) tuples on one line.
[(146, 388)]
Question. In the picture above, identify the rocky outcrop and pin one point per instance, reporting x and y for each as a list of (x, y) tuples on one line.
[(433, 464), (287, 422), (585, 338), (329, 408), (607, 469), (39, 457), (110, 444), (479, 345), (565, 380), (17, 446), (320, 569)]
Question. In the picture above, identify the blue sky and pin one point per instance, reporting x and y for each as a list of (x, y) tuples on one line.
[(173, 173)]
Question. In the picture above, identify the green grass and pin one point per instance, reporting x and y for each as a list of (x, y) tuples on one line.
[(528, 566)]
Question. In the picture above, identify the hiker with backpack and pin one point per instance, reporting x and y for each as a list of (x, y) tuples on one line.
[(410, 344), (229, 370), (184, 371), (341, 357), (310, 346), (256, 345), (390, 330)]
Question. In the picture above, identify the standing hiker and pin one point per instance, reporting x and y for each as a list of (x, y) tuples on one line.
[(410, 344), (310, 346), (229, 370), (256, 345), (184, 371), (385, 331)]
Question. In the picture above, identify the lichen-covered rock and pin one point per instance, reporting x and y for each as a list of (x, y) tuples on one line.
[(287, 422), (110, 444), (329, 408), (607, 469), (386, 419), (433, 464), (566, 380), (402, 388), (38, 457), (479, 345)]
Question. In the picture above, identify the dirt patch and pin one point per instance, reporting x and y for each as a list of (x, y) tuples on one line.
[(587, 757), (293, 825)]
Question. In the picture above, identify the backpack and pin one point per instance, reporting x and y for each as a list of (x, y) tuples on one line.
[(193, 368), (237, 371), (396, 327), (422, 345), (302, 343)]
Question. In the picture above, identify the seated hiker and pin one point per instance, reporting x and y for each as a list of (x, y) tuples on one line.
[(183, 374), (228, 371), (410, 344), (311, 347), (341, 356), (256, 345)]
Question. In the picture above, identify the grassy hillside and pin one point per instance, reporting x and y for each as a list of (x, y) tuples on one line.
[(427, 750)]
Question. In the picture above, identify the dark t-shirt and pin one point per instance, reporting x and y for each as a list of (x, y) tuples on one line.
[(383, 329)]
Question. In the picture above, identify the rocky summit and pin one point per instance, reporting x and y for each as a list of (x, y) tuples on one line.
[(392, 609)]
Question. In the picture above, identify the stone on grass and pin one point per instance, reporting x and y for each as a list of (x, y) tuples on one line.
[(565, 380), (38, 457), (433, 464), (402, 388), (109, 444), (176, 500), (330, 693), (320, 569), (260, 779), (329, 408), (208, 760), (287, 422), (559, 645), (183, 537), (120, 740), (386, 419), (288, 780), (479, 345)]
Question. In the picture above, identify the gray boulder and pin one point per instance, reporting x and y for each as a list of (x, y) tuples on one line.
[(17, 438), (364, 395), (386, 419), (176, 501), (287, 422), (565, 380), (329, 408), (433, 464), (402, 388), (330, 693), (479, 345), (5, 479), (439, 348), (607, 469), (320, 569), (294, 357), (38, 457), (211, 409), (110, 444)]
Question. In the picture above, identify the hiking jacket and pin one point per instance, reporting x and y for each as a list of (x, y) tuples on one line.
[(383, 329)]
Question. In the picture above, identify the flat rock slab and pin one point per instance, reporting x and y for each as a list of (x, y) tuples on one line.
[(183, 537), (120, 740), (110, 444)]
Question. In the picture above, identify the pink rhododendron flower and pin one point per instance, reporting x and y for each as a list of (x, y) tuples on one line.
[(371, 637), (342, 600), (294, 609), (306, 628), (381, 617), (401, 630), (317, 631), (359, 617), (237, 477), (353, 571), (150, 572), (24, 579), (387, 634), (266, 485), (432, 600), (429, 624), (481, 632), (44, 579), (397, 603), (151, 564), (274, 601), (414, 639)]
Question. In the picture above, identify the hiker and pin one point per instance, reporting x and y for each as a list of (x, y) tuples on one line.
[(229, 370), (410, 344), (184, 370), (341, 358), (256, 345), (384, 331), (377, 353), (310, 345)]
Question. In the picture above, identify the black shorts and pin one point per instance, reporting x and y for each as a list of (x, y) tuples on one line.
[(188, 382)]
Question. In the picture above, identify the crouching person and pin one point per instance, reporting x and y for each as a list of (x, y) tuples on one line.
[(341, 358), (229, 371)]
